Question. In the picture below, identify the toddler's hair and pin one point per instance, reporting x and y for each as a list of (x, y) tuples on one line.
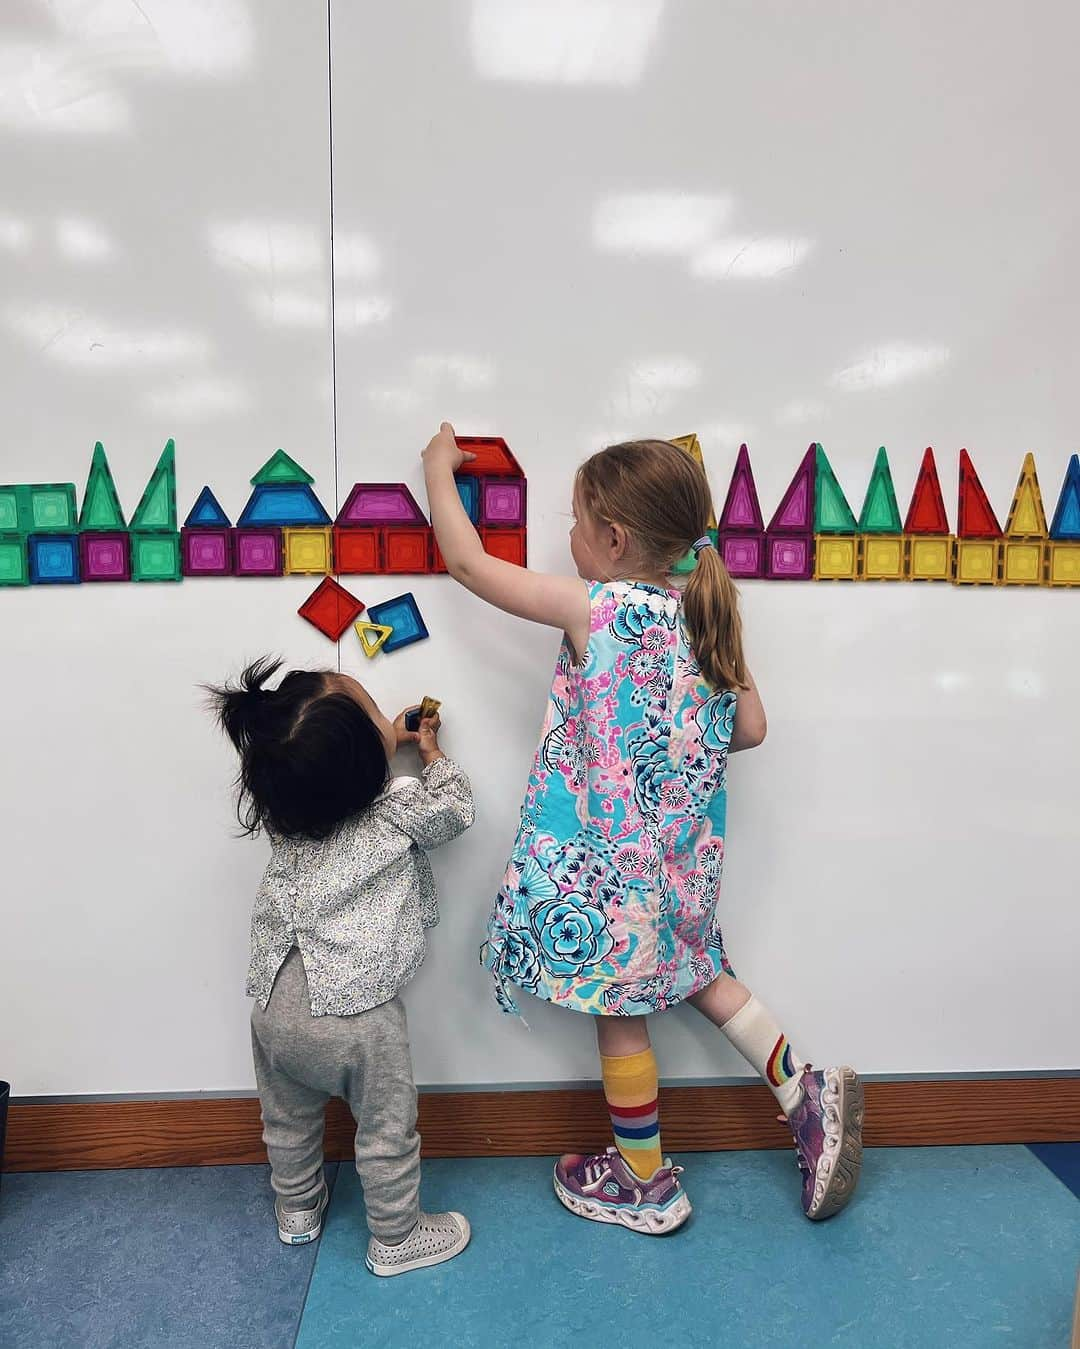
[(310, 756), (661, 497)]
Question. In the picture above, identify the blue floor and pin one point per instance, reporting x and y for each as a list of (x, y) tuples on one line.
[(947, 1247)]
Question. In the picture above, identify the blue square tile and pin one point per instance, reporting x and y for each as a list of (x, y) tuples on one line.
[(402, 614), (54, 559), (469, 491)]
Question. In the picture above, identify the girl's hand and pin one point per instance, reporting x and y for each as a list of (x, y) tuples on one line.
[(429, 740), (404, 735), (443, 451)]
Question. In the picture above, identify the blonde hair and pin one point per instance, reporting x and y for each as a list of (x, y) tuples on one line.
[(661, 497)]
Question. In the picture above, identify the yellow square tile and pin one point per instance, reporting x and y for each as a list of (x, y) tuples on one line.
[(928, 557), (881, 557), (1065, 564), (307, 550), (977, 561), (1022, 562), (836, 557)]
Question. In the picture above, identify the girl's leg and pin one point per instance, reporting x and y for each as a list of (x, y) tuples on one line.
[(749, 1026), (628, 1066), (824, 1110)]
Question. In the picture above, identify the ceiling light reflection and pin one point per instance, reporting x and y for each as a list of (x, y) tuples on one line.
[(888, 365), (664, 223), (15, 234), (605, 42), (275, 248), (354, 312), (355, 257), (196, 37), (749, 259), (82, 241), (53, 90), (198, 399), (291, 308), (78, 339)]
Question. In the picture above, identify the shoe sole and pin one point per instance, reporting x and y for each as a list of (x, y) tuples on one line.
[(388, 1271), (840, 1163), (652, 1222), (305, 1238)]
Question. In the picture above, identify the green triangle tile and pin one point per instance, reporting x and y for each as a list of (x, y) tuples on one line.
[(101, 505), (157, 506), (832, 514), (880, 513), (280, 467)]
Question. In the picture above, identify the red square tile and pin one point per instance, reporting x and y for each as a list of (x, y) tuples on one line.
[(358, 550), (331, 608), (408, 551)]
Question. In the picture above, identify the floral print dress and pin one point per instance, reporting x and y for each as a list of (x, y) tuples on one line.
[(608, 904)]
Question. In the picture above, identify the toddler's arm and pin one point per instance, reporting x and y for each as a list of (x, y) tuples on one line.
[(750, 723), (437, 808), (558, 601)]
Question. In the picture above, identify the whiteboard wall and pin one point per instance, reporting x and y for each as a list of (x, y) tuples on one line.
[(564, 223)]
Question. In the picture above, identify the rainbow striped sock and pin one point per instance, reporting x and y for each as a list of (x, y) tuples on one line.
[(781, 1066), (761, 1042), (631, 1087)]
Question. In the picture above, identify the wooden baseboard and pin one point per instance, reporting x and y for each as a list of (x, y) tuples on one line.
[(205, 1132)]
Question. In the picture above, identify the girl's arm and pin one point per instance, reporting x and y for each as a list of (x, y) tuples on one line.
[(750, 723), (559, 601)]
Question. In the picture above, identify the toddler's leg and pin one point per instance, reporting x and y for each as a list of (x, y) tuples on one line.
[(628, 1066), (382, 1097), (750, 1027), (293, 1123)]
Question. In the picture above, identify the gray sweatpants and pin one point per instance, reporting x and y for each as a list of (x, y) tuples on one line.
[(300, 1062)]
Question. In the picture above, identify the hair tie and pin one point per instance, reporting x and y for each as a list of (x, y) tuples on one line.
[(703, 542)]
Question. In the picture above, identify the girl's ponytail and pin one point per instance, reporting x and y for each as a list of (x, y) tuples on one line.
[(711, 605), (243, 708)]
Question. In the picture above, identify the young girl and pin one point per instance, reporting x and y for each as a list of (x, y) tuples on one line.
[(337, 930), (608, 905)]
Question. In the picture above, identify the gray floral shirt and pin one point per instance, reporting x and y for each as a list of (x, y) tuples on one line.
[(357, 903)]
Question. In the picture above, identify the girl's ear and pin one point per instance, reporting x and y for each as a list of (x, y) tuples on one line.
[(618, 541)]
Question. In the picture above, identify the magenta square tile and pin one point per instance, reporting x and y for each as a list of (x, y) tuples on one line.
[(105, 556), (502, 501), (258, 552), (206, 552), (789, 557), (743, 554)]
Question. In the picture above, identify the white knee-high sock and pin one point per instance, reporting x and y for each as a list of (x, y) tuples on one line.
[(763, 1044)]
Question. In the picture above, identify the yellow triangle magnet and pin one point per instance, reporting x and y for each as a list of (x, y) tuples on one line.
[(692, 446), (1027, 519), (372, 635)]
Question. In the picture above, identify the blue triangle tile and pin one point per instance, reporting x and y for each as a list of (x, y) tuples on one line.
[(206, 511), (1066, 522)]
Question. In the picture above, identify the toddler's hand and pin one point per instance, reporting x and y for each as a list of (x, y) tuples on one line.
[(404, 735), (443, 451), (429, 740)]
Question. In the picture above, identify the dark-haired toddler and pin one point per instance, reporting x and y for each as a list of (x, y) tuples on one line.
[(337, 931)]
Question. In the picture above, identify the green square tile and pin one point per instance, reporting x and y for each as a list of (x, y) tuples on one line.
[(52, 507), (155, 557), (9, 508), (14, 568)]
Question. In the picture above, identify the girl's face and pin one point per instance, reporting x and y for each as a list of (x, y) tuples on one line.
[(343, 683), (591, 545)]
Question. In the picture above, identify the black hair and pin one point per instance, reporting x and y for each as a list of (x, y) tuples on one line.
[(310, 756)]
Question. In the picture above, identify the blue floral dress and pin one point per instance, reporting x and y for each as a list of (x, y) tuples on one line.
[(608, 904)]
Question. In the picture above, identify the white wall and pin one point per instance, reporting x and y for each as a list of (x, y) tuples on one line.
[(561, 235)]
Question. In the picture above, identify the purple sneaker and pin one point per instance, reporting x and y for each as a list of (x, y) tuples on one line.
[(827, 1126), (603, 1188)]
